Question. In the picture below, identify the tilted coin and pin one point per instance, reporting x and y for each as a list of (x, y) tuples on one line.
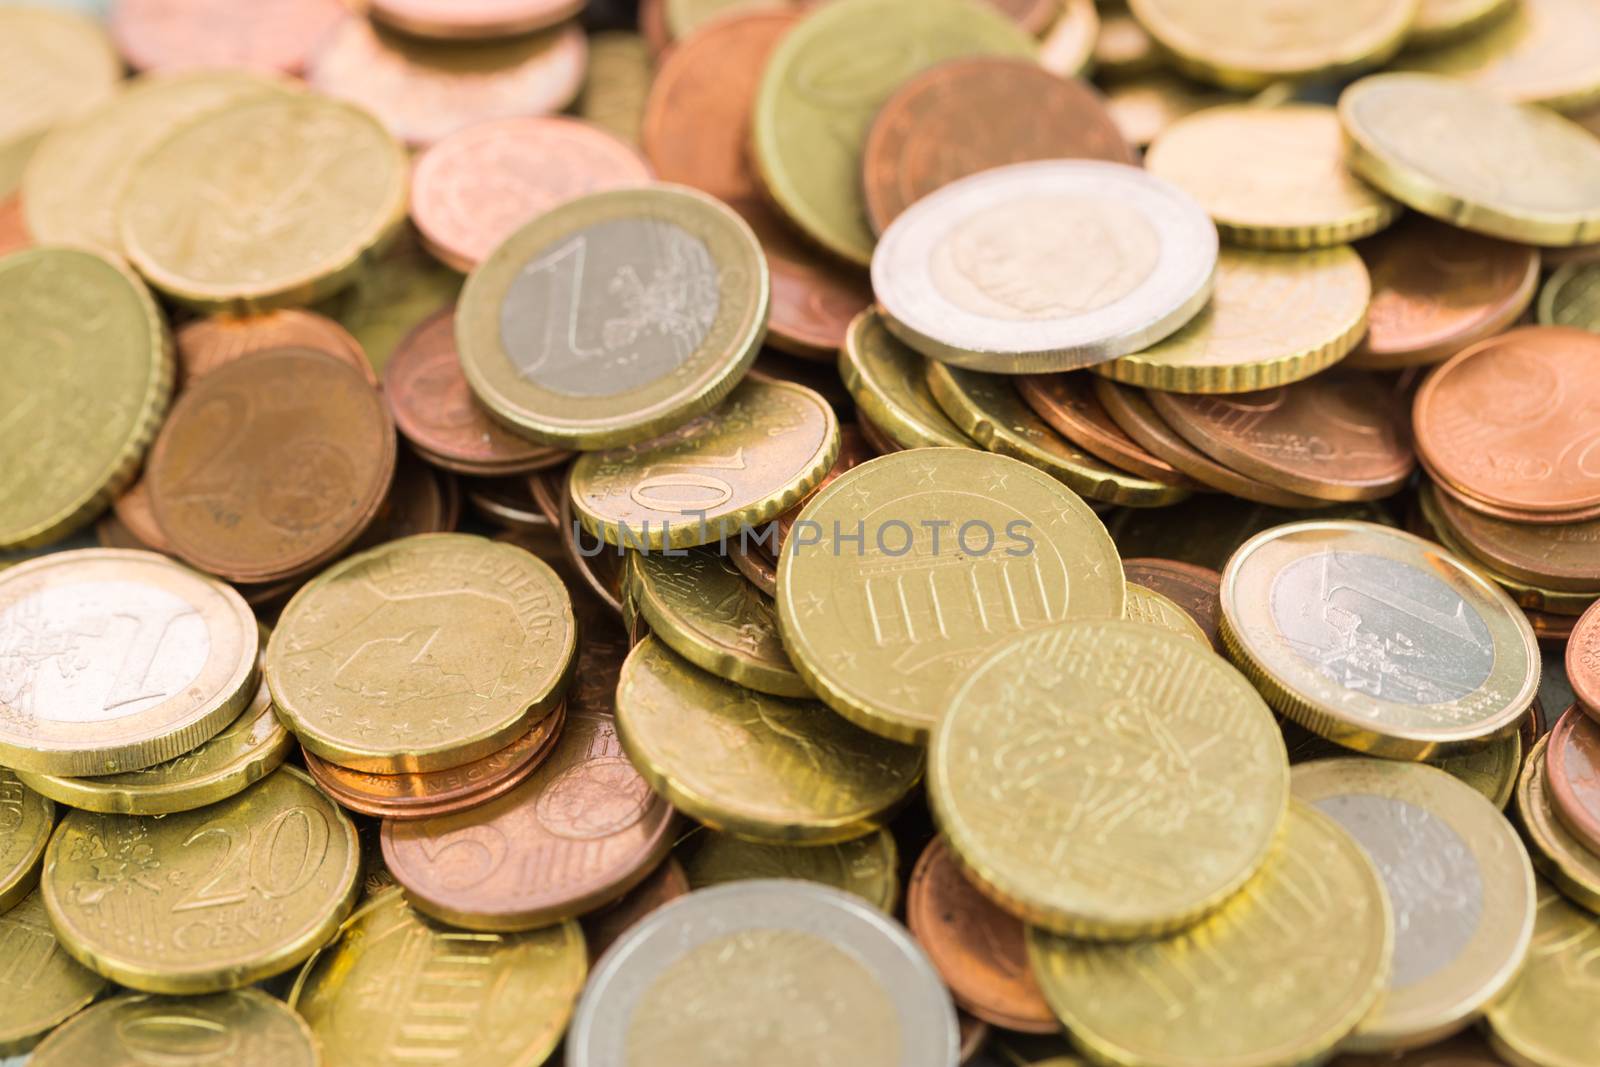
[(614, 317), (396, 292), (763, 767), (1534, 53), (49, 989), (1194, 589), (1497, 510), (1317, 920), (1376, 639), (1572, 762), (1460, 887), (1571, 297), (1466, 156), (88, 372), (119, 660), (1045, 712), (422, 654), (1044, 266), (906, 570), (887, 381), (26, 820), (867, 866), (187, 34), (56, 65), (335, 178), (244, 1028), (1527, 592), (1544, 1018), (206, 900), (1557, 853), (1068, 404), (1154, 609), (396, 985), (473, 20), (796, 972), (203, 345)]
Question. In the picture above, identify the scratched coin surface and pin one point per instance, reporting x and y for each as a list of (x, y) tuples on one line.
[(614, 317), (1460, 887), (1377, 639), (26, 820), (49, 991), (117, 660), (84, 379), (1045, 712), (1539, 1019), (335, 178), (1533, 53), (1556, 557), (781, 973), (203, 345), (473, 20), (275, 35), (1068, 404), (1558, 854), (1317, 919), (1572, 760), (867, 866), (244, 1028), (422, 654), (395, 984), (179, 904), (1044, 266), (762, 767), (888, 382), (939, 554), (1195, 589)]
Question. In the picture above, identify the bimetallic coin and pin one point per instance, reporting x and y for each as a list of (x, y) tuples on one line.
[(473, 20), (1044, 266), (244, 1028), (1464, 155), (1582, 661), (1534, 52), (614, 317), (1543, 1018), (375, 997), (1194, 589), (1460, 887), (1571, 297), (761, 767), (56, 65), (798, 973), (867, 866), (888, 382), (203, 345), (176, 904), (26, 820), (904, 571), (1572, 759), (187, 34), (1377, 639), (49, 989), (1317, 919), (1151, 608), (1068, 404), (1556, 851)]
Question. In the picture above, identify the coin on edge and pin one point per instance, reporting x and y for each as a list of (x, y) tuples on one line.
[(1068, 404), (47, 992), (1544, 1017), (1535, 52), (244, 1028), (1557, 853), (26, 820), (886, 379), (867, 866)]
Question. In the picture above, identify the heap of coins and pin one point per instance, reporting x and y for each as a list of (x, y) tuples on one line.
[(899, 533)]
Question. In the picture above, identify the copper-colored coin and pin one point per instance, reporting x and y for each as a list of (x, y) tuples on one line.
[(972, 114), (974, 1035), (1334, 436), (206, 344), (421, 500), (756, 564), (653, 26), (1437, 289), (1550, 629), (978, 948), (1195, 589), (14, 235), (1573, 766), (508, 503), (579, 833), (602, 928), (434, 793), (1068, 403), (112, 532), (1130, 409), (853, 451), (480, 185), (1550, 556), (435, 409), (133, 509), (696, 128), (1511, 421), (271, 465), (263, 34), (1583, 660), (1498, 511), (472, 20), (880, 441)]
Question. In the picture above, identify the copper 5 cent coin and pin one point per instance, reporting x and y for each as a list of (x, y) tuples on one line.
[(267, 34), (1583, 661), (271, 465), (206, 344), (473, 20), (1572, 762)]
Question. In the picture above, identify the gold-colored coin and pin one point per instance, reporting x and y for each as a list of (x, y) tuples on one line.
[(661, 294), (761, 767), (1316, 921), (1144, 106), (1442, 21), (1046, 712), (1571, 297), (868, 866), (44, 986), (74, 183), (422, 654), (617, 84), (1376, 639), (1123, 49), (1460, 887), (1465, 155), (53, 65), (244, 1028), (1559, 855), (887, 380), (87, 372), (1153, 609), (1547, 1017), (1263, 41), (904, 571), (392, 296), (987, 409), (1535, 52), (194, 218), (124, 660), (702, 608), (1271, 177), (750, 460), (396, 984), (1274, 318), (823, 87), (1067, 48), (26, 819), (207, 900)]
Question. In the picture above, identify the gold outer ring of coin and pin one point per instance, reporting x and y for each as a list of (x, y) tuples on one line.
[(1525, 594), (1559, 856), (905, 426), (1546, 1019)]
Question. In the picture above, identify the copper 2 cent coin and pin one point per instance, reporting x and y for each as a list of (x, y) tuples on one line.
[(1067, 402), (269, 466), (1195, 589), (1583, 660), (472, 20), (206, 344), (264, 34), (1573, 766)]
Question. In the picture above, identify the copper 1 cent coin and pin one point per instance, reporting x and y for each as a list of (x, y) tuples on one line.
[(972, 114), (1067, 402), (577, 834), (979, 949), (269, 466), (472, 20), (1511, 421), (602, 928), (1437, 289), (1561, 557), (1195, 589), (1573, 767), (263, 34), (435, 409), (1583, 660), (476, 187), (206, 344), (1334, 436), (696, 128)]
